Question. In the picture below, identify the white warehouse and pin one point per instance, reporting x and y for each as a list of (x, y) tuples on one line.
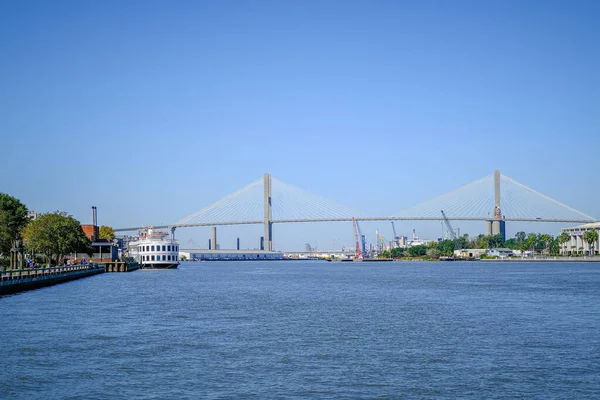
[(229, 255)]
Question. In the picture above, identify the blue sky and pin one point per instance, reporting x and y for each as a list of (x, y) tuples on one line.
[(151, 110)]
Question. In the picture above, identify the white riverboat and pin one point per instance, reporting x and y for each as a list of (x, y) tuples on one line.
[(155, 250)]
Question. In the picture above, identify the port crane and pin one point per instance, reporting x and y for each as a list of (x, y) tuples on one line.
[(363, 246), (451, 232), (384, 246), (396, 237), (358, 253)]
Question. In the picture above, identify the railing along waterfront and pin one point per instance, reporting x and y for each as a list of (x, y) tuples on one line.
[(18, 274)]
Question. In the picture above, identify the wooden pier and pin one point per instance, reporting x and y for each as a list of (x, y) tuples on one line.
[(120, 266)]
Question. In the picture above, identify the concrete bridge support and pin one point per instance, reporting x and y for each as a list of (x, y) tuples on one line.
[(497, 225), (268, 216), (213, 242)]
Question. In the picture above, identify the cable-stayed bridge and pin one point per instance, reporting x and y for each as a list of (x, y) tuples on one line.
[(495, 198)]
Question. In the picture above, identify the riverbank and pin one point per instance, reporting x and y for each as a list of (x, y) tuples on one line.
[(543, 259), (20, 280)]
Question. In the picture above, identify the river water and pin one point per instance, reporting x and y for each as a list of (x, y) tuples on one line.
[(303, 330)]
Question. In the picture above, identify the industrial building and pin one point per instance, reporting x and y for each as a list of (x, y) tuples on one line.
[(577, 244), (103, 250), (228, 255), (469, 253)]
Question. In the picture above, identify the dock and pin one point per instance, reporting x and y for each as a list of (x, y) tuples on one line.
[(19, 280), (120, 266)]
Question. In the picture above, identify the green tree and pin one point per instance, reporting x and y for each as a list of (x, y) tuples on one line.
[(495, 240), (462, 242), (523, 246), (416, 251), (554, 247), (384, 254), (106, 232), (520, 236), (55, 235), (591, 237), (511, 244), (397, 252), (433, 252), (531, 241), (482, 242), (13, 219), (545, 239), (563, 238), (446, 247)]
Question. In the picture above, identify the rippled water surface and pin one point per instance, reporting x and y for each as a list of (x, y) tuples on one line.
[(227, 330)]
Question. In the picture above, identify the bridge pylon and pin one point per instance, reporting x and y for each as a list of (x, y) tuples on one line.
[(497, 225), (268, 215)]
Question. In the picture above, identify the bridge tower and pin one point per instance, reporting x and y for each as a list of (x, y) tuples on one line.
[(497, 225), (268, 216)]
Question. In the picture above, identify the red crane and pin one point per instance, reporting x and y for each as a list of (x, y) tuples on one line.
[(358, 253)]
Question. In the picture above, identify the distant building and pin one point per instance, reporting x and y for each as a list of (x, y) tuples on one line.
[(577, 244), (31, 214), (92, 232), (469, 253), (500, 252), (104, 251), (241, 255), (403, 241)]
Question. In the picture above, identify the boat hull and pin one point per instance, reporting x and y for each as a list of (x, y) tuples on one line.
[(159, 265)]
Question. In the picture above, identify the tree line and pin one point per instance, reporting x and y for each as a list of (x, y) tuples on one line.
[(535, 242), (50, 236)]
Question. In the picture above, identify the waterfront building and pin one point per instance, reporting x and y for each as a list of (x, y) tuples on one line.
[(240, 255), (577, 244), (469, 253), (500, 252)]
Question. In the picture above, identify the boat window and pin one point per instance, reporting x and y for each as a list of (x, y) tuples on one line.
[(163, 247), (176, 258), (152, 258), (152, 248)]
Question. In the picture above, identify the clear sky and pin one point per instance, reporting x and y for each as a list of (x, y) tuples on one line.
[(151, 110)]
